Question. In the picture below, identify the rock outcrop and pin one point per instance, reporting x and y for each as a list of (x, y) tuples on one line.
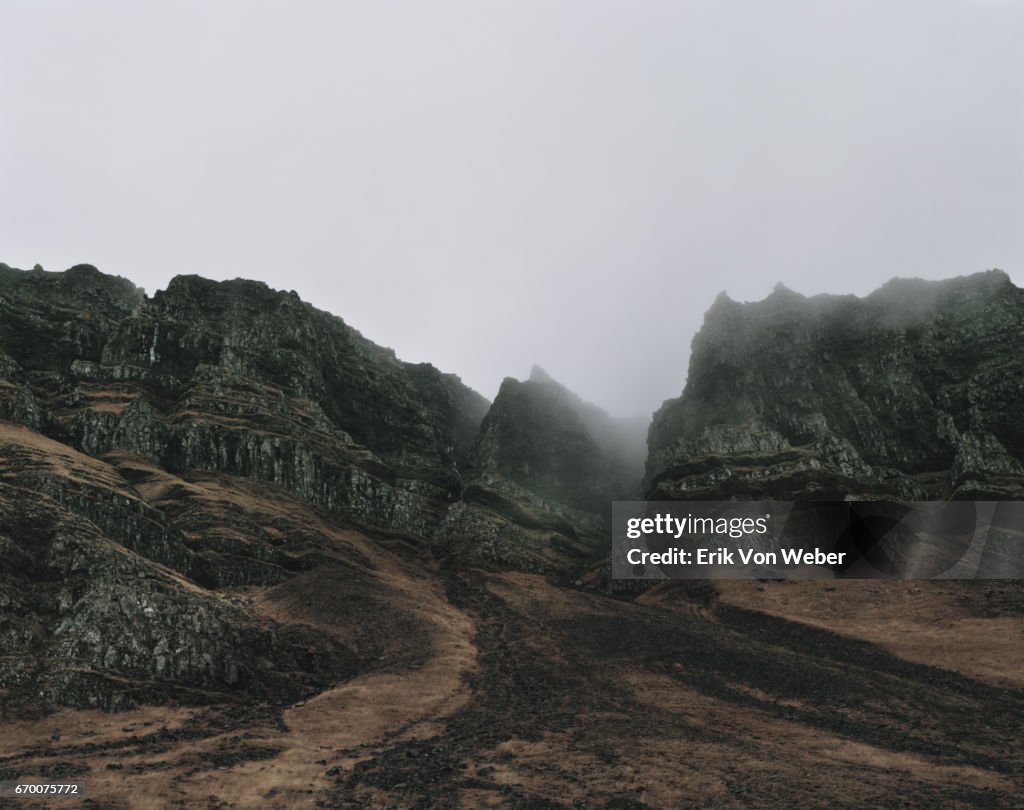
[(913, 392), (126, 425), (542, 475), (89, 623), (160, 454), (235, 377)]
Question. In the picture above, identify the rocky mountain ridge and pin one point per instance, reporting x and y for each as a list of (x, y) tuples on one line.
[(913, 392), (293, 571), (541, 477), (219, 435), (161, 446)]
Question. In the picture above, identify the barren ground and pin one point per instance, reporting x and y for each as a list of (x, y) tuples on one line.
[(511, 690)]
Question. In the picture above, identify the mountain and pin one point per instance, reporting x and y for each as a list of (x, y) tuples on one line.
[(155, 450), (541, 478), (238, 377), (217, 435), (912, 392), (249, 558)]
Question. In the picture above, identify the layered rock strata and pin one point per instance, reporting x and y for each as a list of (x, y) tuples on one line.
[(913, 392), (161, 457)]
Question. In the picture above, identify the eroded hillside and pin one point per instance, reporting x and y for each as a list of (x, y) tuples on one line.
[(251, 559)]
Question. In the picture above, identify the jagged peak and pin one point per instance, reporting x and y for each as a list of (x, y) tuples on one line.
[(541, 382), (538, 374), (899, 297), (508, 382), (721, 307), (781, 293)]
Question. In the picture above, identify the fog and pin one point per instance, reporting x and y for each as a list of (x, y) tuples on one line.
[(489, 185)]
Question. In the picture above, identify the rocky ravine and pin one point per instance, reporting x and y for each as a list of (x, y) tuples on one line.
[(305, 574)]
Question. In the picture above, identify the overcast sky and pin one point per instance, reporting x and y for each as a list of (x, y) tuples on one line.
[(490, 185)]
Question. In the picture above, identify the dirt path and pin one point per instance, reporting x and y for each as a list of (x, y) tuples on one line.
[(410, 699), (416, 648)]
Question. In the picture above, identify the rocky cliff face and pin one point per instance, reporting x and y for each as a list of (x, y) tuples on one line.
[(542, 475), (913, 392), (133, 433), (159, 453), (236, 377), (222, 499)]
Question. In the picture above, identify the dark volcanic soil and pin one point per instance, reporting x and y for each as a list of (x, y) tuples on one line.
[(511, 690)]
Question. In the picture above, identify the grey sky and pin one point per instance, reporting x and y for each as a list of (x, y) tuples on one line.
[(488, 185)]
